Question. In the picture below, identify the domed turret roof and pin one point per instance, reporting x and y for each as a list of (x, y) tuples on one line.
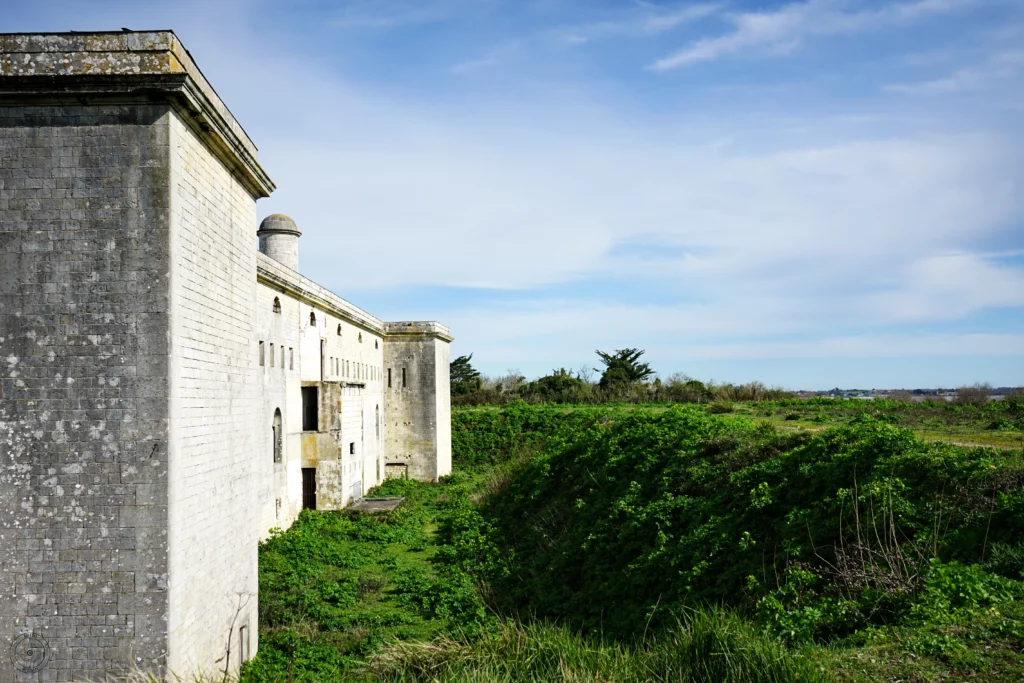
[(278, 222)]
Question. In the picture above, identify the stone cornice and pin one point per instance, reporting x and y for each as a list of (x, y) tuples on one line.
[(276, 276), (127, 67), (419, 329)]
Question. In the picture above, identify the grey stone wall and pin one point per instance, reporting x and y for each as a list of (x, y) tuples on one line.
[(84, 303), (417, 402)]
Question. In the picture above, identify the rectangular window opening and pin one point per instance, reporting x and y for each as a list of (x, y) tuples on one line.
[(272, 355), (389, 378), (282, 358), (352, 448), (403, 379), (262, 363), (309, 488), (291, 358), (310, 410)]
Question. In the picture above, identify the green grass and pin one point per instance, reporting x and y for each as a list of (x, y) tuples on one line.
[(337, 585), (999, 424), (708, 645), (668, 543)]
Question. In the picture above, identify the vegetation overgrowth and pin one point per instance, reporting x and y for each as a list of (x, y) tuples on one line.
[(619, 542)]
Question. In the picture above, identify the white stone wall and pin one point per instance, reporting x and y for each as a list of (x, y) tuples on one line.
[(214, 405), (443, 407), (280, 484), (347, 450)]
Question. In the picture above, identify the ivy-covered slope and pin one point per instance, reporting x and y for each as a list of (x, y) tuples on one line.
[(620, 519)]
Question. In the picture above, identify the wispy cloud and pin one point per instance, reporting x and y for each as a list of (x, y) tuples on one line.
[(643, 20), (783, 29), (498, 55), (640, 20), (998, 68)]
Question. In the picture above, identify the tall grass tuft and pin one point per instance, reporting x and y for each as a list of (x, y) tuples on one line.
[(707, 646)]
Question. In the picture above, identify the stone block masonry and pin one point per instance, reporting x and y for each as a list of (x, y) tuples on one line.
[(84, 304), (146, 444)]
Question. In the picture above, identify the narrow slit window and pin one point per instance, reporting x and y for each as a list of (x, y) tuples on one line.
[(291, 358), (262, 357), (312, 319), (277, 305), (282, 358), (339, 329), (403, 378), (243, 643), (389, 378), (272, 356), (352, 448), (278, 430)]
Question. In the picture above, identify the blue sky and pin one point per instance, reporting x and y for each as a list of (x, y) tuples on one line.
[(811, 194)]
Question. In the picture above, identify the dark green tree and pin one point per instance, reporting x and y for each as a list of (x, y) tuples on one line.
[(465, 378), (561, 386), (623, 367)]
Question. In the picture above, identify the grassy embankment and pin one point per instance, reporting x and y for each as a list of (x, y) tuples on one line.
[(668, 545)]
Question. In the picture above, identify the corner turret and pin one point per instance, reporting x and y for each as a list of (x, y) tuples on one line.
[(279, 239)]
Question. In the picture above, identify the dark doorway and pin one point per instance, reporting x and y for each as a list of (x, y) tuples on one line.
[(309, 488), (310, 410)]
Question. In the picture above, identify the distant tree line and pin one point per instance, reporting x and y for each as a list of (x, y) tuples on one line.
[(625, 378)]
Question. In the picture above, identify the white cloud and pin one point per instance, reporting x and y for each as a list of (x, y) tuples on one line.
[(791, 237), (783, 29)]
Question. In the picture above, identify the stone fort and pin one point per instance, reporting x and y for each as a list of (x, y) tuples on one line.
[(169, 393)]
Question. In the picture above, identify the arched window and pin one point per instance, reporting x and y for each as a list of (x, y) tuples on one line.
[(277, 305), (339, 329), (278, 436), (312, 318)]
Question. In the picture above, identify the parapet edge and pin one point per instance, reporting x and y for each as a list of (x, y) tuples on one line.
[(127, 65), (416, 328), (284, 279)]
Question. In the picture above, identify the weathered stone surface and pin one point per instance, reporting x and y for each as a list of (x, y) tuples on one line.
[(418, 413), (85, 239)]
